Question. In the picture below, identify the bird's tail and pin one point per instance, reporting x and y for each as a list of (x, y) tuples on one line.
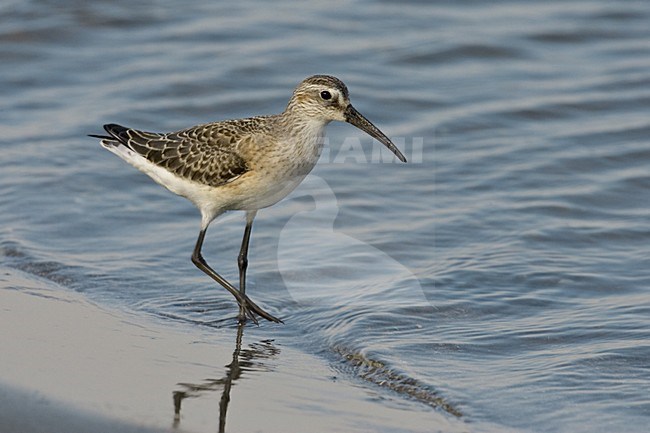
[(117, 136), (103, 137)]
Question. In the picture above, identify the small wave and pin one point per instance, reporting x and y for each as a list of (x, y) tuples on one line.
[(575, 36), (15, 257), (461, 53), (378, 373)]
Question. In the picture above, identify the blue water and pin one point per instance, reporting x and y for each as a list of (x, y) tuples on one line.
[(502, 276)]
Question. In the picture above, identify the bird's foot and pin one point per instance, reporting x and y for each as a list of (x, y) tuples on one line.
[(248, 309)]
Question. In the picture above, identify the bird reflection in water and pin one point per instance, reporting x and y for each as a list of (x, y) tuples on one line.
[(247, 359)]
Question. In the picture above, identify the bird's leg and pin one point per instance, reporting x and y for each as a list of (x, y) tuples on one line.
[(242, 262), (242, 259), (199, 261), (248, 306)]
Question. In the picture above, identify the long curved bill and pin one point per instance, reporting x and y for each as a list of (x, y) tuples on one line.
[(353, 117)]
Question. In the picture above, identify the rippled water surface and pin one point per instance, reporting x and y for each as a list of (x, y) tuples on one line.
[(502, 276)]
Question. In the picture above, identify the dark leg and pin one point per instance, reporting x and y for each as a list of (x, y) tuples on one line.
[(249, 307), (200, 263), (242, 259)]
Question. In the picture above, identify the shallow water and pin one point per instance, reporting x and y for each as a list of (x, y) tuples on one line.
[(501, 276)]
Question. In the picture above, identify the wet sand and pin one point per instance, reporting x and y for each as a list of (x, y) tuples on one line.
[(69, 365)]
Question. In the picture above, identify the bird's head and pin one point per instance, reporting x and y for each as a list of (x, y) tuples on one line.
[(326, 98)]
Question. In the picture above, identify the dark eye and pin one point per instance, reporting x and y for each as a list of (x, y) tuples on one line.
[(325, 95)]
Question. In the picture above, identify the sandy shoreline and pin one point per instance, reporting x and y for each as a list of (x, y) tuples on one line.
[(69, 365), (30, 412)]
